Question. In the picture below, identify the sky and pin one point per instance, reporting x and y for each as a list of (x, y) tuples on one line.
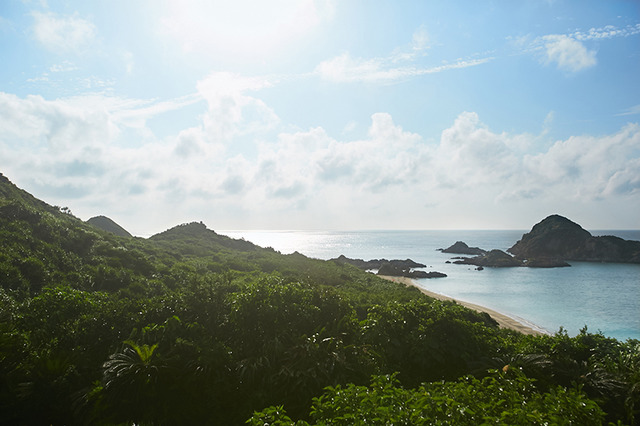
[(325, 115)]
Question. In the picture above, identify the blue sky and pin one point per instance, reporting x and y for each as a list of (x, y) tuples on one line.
[(325, 114)]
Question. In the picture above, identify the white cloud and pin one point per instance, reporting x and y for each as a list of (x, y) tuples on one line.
[(190, 142), (470, 155), (588, 167), (58, 125), (61, 140), (77, 148), (402, 63), (231, 112), (418, 47), (634, 110), (548, 122), (568, 53), (64, 66), (608, 31), (135, 113), (344, 68), (62, 34)]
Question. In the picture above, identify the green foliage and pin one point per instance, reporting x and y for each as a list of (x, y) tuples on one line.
[(427, 339), (497, 399)]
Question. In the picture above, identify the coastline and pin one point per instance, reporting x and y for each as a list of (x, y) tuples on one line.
[(503, 320)]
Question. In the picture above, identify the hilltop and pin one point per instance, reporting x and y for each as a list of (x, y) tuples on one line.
[(106, 224)]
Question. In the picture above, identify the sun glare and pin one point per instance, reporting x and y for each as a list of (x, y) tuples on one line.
[(245, 28)]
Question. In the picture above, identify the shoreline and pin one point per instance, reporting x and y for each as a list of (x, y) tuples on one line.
[(503, 320)]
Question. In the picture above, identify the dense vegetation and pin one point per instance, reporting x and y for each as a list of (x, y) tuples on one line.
[(191, 327)]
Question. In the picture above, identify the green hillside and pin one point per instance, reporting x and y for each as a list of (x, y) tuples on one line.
[(192, 327)]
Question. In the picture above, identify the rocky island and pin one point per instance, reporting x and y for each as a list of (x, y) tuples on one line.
[(557, 237), (550, 244), (460, 247)]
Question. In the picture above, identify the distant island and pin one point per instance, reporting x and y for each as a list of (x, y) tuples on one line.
[(460, 247), (550, 244)]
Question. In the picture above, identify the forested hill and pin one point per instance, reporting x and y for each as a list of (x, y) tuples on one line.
[(192, 327), (200, 239), (106, 224)]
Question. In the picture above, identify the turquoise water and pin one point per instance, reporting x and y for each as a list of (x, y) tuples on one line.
[(604, 297)]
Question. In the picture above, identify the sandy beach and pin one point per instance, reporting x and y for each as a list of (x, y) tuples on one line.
[(502, 319)]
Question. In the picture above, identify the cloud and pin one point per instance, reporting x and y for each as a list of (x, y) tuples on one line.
[(64, 66), (608, 31), (82, 148), (231, 112), (57, 125), (135, 113), (580, 169), (345, 69), (568, 53), (389, 157), (588, 167), (75, 145), (190, 143), (634, 110), (420, 43), (402, 63), (62, 34)]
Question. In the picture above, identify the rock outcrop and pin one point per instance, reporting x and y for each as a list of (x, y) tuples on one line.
[(460, 247), (558, 238)]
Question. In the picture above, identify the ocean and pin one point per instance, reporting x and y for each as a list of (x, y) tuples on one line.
[(601, 296)]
